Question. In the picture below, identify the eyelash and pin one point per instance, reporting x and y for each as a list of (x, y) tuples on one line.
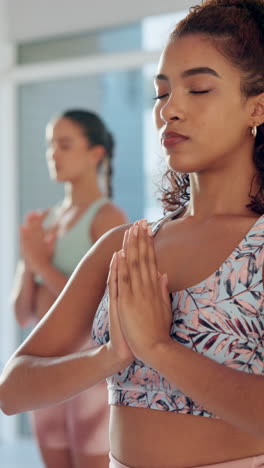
[(191, 92), (206, 91), (159, 97)]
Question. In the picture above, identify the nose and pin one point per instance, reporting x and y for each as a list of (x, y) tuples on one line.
[(172, 109), (52, 154)]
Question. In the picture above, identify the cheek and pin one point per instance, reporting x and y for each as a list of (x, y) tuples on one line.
[(156, 116), (216, 124)]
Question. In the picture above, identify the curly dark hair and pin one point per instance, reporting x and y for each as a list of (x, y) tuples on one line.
[(237, 30)]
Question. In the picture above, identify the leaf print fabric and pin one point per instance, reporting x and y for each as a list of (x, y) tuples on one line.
[(222, 318)]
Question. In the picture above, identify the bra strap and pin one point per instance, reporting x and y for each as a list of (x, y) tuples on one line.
[(157, 225)]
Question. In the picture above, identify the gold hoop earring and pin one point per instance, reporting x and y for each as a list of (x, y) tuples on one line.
[(254, 131)]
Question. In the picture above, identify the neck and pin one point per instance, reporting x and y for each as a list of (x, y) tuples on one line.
[(82, 193), (222, 192)]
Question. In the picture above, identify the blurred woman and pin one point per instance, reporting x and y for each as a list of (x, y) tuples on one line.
[(74, 433)]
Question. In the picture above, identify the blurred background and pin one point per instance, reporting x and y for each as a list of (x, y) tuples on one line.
[(57, 55)]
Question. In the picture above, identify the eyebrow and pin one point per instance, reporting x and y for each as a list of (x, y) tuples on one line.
[(59, 140), (64, 139), (191, 72)]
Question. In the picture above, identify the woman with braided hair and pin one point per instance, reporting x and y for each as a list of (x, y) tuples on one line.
[(180, 326), (74, 433)]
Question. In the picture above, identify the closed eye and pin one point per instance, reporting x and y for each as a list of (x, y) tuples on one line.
[(200, 92), (160, 97)]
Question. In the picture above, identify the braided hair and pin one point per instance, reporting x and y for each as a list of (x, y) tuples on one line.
[(236, 28), (96, 132)]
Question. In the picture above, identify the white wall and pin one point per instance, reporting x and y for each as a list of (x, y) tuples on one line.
[(8, 200), (32, 19), (3, 22)]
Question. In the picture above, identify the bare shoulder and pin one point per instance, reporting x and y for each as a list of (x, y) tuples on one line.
[(67, 325), (109, 242), (95, 264), (108, 216)]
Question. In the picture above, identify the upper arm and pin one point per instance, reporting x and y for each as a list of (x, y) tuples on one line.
[(68, 322), (107, 217)]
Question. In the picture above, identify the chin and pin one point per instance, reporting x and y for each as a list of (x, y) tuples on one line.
[(183, 164), (58, 178), (183, 168)]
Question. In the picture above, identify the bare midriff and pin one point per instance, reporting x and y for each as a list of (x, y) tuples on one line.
[(145, 438)]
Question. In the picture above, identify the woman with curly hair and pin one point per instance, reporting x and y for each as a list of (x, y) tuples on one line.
[(180, 327)]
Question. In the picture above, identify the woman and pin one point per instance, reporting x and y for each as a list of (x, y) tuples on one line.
[(53, 242), (184, 370)]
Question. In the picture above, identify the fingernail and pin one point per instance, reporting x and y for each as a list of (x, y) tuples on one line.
[(150, 233), (135, 231), (144, 224), (122, 253)]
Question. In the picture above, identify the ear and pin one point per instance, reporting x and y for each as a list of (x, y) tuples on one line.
[(98, 153), (257, 114)]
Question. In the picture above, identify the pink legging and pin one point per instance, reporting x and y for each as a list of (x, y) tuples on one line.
[(252, 462), (80, 424)]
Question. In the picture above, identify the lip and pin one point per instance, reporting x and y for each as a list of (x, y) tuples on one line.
[(54, 165), (169, 139)]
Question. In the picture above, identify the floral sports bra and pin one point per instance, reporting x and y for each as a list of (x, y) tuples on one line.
[(222, 318)]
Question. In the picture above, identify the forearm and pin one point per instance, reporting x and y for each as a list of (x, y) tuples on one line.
[(22, 295), (53, 279), (234, 396), (31, 382)]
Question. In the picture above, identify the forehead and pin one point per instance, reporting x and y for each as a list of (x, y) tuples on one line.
[(62, 128), (195, 51)]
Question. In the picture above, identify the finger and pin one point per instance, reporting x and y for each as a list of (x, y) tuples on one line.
[(125, 239), (143, 255), (123, 279), (147, 253), (36, 218), (50, 243), (43, 214), (114, 322), (152, 259), (132, 257), (50, 237), (30, 216), (33, 224), (22, 237), (112, 277), (23, 231), (112, 291), (125, 242)]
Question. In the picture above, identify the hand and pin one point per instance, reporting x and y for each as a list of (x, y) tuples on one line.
[(117, 341), (143, 299), (36, 244)]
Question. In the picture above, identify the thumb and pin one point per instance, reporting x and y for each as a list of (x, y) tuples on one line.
[(43, 214), (164, 289), (50, 238), (112, 281)]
